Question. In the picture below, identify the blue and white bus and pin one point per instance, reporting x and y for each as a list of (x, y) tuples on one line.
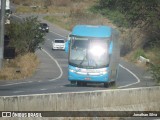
[(90, 50)]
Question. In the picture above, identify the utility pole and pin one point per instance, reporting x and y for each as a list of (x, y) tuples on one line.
[(2, 19)]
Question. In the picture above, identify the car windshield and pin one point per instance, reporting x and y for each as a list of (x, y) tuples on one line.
[(89, 52), (8, 11), (43, 24), (59, 41)]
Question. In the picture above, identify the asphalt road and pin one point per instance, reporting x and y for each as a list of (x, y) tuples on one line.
[(51, 75)]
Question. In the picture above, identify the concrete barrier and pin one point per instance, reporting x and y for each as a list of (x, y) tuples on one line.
[(105, 99)]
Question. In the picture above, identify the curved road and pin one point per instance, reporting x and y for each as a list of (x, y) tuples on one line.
[(51, 76)]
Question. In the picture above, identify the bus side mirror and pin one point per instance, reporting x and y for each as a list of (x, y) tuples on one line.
[(110, 47), (67, 43), (66, 46)]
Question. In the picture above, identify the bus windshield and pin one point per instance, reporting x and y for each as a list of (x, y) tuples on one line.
[(89, 52)]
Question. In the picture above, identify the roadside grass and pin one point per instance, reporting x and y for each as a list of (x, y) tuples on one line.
[(61, 21), (41, 10), (68, 22), (137, 53), (20, 67), (50, 7), (154, 67), (115, 16), (23, 9), (77, 15), (154, 55), (65, 13)]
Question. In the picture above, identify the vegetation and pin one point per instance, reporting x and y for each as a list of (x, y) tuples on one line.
[(25, 37), (72, 13), (139, 52), (20, 67), (155, 71), (140, 15), (65, 13), (137, 13)]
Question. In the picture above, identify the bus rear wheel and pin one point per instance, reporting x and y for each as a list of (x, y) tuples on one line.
[(110, 84), (113, 83), (79, 83)]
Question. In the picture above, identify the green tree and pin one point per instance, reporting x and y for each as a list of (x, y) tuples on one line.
[(25, 36), (137, 12), (144, 14)]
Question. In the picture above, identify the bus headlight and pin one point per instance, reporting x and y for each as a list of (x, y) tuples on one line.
[(104, 71), (71, 70), (97, 51)]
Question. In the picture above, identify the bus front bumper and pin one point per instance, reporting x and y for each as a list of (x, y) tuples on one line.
[(73, 76)]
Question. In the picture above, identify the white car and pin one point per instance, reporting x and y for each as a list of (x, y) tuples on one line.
[(58, 44)]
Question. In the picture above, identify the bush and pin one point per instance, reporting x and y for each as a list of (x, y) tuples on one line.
[(155, 72), (139, 52), (114, 15), (77, 11), (25, 36)]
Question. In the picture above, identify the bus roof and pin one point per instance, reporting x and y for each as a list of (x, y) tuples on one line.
[(92, 31)]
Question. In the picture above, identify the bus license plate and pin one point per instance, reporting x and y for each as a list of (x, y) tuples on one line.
[(87, 78)]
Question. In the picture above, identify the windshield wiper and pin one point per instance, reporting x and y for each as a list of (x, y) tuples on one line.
[(89, 65), (82, 61)]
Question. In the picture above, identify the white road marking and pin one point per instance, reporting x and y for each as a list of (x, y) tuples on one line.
[(43, 89), (138, 80), (18, 91), (16, 83), (62, 60), (58, 34), (61, 72), (17, 16)]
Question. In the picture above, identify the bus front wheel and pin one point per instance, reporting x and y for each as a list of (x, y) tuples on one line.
[(106, 84), (79, 83), (73, 82)]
